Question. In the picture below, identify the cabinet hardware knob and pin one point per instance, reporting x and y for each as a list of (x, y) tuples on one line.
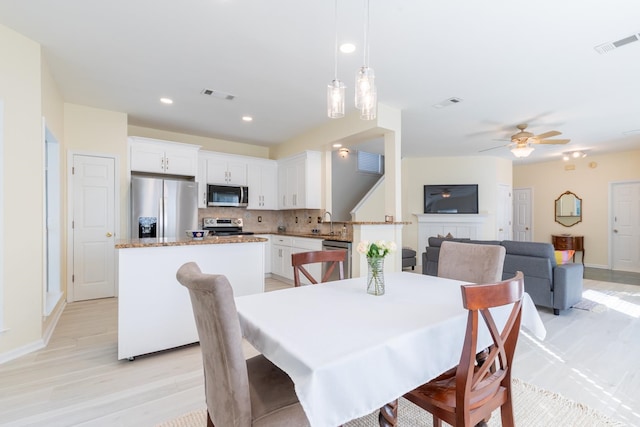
[(109, 234)]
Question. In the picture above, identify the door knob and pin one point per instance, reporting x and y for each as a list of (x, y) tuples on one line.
[(526, 228), (109, 234), (615, 230)]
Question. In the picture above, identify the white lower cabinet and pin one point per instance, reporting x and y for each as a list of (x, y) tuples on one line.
[(281, 249), (267, 252)]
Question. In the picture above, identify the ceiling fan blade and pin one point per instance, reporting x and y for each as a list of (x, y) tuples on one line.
[(553, 141), (548, 134), (492, 148)]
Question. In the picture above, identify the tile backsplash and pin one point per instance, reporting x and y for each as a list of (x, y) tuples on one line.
[(259, 221)]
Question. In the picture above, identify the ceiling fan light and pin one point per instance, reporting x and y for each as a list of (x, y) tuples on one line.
[(522, 151)]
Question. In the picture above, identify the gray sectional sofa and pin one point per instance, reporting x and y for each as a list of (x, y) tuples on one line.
[(550, 285)]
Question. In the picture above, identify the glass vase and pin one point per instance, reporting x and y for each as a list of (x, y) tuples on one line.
[(375, 276)]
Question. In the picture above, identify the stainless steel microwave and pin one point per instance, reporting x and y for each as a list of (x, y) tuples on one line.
[(227, 195)]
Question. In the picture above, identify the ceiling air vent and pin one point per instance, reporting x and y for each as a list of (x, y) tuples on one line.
[(447, 102), (218, 94), (608, 47)]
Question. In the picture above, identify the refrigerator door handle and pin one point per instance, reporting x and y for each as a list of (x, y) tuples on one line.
[(162, 219)]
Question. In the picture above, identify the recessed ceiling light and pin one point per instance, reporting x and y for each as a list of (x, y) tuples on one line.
[(347, 48), (247, 118), (337, 145), (167, 101)]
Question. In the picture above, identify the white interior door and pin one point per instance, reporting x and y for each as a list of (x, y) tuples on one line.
[(522, 216), (504, 214), (626, 227), (93, 228)]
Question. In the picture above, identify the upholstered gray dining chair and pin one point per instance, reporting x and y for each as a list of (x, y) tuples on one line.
[(471, 262), (238, 392)]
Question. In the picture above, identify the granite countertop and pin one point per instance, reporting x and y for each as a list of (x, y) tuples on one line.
[(215, 240), (337, 237)]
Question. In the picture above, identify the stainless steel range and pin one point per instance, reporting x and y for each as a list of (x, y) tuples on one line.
[(224, 226)]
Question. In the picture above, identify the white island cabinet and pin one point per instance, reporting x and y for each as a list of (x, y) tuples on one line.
[(154, 310)]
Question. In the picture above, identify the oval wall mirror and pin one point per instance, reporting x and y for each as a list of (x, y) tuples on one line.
[(568, 209)]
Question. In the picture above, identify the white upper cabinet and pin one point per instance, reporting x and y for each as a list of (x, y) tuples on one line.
[(262, 180), (163, 157), (299, 181), (222, 169)]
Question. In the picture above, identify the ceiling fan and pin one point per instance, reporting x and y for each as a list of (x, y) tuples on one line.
[(521, 142), (445, 193)]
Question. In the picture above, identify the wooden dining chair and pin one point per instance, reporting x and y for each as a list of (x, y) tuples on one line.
[(471, 262), (469, 393), (334, 257), (238, 392)]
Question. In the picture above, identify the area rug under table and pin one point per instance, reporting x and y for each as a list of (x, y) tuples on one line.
[(533, 407)]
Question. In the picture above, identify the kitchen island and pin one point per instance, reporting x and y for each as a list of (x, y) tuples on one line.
[(154, 310)]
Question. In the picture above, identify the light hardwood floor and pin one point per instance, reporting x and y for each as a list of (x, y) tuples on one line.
[(588, 356)]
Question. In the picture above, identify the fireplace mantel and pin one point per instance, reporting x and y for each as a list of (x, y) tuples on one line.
[(458, 225)]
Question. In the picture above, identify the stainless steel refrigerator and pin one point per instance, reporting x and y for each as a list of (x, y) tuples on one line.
[(162, 208)]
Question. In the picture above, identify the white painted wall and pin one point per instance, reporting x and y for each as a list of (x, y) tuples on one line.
[(487, 172)]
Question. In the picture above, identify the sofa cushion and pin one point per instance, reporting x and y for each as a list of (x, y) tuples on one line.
[(532, 249), (408, 253), (437, 241)]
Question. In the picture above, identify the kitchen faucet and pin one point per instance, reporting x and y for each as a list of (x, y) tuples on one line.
[(330, 222)]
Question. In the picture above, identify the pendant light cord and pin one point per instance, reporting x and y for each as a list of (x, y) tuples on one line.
[(366, 35), (335, 48)]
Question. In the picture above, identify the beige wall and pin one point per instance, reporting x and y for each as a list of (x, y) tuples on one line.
[(209, 144), (23, 182), (52, 104), (53, 113), (487, 172), (592, 184), (100, 132)]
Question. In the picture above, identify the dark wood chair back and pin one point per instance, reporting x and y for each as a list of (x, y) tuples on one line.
[(334, 257), (468, 394)]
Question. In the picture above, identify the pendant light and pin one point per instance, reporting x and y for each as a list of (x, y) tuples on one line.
[(335, 89), (366, 93)]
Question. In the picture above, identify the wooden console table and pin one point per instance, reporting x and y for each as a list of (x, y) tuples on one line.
[(563, 243)]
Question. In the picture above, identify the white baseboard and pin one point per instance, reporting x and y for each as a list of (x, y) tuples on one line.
[(36, 345), (21, 351), (55, 317)]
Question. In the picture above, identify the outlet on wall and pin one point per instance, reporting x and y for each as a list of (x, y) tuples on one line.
[(296, 220), (259, 218)]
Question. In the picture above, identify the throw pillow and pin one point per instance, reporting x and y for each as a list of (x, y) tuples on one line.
[(563, 257)]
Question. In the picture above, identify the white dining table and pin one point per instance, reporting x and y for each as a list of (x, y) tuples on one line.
[(350, 353)]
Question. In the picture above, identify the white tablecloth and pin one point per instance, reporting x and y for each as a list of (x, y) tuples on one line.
[(348, 352)]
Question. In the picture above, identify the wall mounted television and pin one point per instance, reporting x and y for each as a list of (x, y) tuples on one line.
[(451, 199)]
